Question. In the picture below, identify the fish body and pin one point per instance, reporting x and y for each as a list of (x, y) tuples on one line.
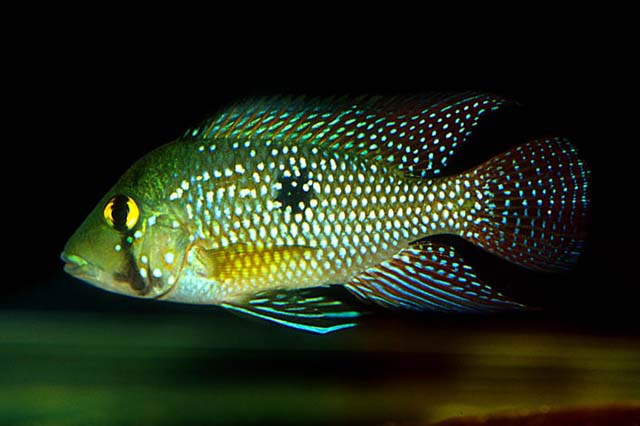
[(266, 204)]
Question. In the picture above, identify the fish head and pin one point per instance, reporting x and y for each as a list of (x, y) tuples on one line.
[(128, 244)]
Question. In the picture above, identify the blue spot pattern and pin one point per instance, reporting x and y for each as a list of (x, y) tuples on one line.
[(534, 201)]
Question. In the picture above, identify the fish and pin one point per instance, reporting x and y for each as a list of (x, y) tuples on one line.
[(271, 203)]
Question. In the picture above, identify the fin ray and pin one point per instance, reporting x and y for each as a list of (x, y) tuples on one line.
[(533, 202), (429, 276), (318, 329), (308, 310)]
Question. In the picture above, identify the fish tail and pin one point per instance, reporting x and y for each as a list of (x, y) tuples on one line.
[(529, 205)]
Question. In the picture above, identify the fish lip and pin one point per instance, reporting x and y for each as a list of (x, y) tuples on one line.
[(80, 268), (77, 266)]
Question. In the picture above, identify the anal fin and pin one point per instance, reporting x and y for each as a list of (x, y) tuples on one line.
[(428, 277), (310, 310)]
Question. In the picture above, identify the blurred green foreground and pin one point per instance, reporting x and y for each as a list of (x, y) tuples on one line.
[(208, 367)]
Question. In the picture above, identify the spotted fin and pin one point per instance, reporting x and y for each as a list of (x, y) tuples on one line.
[(530, 205), (247, 261), (428, 277), (416, 134), (308, 310)]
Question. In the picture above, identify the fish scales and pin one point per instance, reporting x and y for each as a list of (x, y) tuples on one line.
[(352, 212), (268, 203)]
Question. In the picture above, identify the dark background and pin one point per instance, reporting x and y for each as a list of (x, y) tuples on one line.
[(86, 103)]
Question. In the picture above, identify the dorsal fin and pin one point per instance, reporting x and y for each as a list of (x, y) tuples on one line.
[(417, 134)]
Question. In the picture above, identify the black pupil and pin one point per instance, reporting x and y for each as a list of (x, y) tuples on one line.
[(119, 212)]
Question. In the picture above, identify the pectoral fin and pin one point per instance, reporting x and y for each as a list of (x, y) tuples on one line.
[(309, 310)]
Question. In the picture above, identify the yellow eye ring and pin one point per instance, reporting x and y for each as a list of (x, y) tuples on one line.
[(121, 213)]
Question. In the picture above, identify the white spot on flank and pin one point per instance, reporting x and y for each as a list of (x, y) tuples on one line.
[(168, 258), (271, 205), (308, 213), (157, 273), (144, 260)]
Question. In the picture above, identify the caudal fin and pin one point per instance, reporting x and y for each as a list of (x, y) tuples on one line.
[(530, 205)]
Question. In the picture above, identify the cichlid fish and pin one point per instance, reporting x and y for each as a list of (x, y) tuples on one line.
[(264, 206)]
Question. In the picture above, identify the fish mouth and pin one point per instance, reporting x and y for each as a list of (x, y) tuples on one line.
[(77, 266)]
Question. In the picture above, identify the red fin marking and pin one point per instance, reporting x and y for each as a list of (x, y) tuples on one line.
[(531, 205), (428, 277)]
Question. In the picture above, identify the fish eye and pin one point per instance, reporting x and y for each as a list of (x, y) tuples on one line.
[(121, 213)]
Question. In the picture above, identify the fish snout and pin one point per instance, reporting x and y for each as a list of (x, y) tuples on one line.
[(74, 264)]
